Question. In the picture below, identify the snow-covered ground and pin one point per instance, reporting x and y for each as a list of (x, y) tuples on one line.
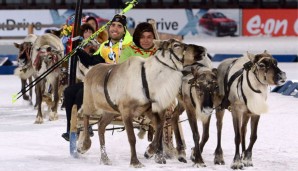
[(27, 146)]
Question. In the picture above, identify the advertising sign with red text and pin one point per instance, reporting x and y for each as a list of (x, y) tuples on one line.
[(271, 22)]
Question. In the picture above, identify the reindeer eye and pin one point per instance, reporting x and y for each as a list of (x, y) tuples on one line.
[(176, 45), (262, 65)]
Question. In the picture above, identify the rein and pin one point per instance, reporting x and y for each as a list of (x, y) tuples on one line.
[(145, 83), (176, 57), (114, 106)]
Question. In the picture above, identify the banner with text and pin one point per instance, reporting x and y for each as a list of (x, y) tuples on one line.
[(183, 22), (271, 22)]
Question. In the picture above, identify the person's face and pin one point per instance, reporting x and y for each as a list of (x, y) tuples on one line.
[(93, 24), (116, 31), (146, 40), (87, 33)]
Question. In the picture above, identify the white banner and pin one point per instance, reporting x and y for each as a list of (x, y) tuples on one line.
[(184, 22)]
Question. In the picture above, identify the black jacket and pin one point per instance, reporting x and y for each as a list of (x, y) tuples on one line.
[(88, 60)]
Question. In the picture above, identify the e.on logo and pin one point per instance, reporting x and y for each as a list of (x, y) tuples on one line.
[(270, 22)]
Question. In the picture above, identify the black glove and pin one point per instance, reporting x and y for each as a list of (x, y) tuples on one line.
[(88, 60), (83, 56)]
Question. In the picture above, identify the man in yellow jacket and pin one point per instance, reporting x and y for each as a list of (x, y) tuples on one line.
[(119, 37)]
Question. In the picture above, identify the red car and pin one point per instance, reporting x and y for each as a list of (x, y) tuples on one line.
[(218, 23)]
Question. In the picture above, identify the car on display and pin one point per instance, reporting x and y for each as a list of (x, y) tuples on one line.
[(218, 24)]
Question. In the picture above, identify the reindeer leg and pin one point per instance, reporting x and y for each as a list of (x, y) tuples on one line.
[(196, 156), (151, 149), (218, 154), (23, 83), (38, 92), (205, 135), (84, 143), (105, 120), (178, 136), (54, 115), (247, 159), (245, 120), (169, 150), (155, 147), (30, 91), (237, 116), (134, 161), (159, 157)]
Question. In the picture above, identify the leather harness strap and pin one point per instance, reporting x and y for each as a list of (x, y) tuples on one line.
[(228, 82), (114, 106), (145, 83)]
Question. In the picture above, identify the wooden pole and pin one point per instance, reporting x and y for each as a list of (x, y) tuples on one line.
[(30, 29)]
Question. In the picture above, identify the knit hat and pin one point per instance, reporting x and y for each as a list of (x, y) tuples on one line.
[(142, 27), (120, 18)]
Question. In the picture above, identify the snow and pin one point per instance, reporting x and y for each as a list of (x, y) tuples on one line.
[(25, 146)]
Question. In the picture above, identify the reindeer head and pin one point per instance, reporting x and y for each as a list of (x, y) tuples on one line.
[(265, 68), (185, 54), (206, 87), (47, 55), (25, 48)]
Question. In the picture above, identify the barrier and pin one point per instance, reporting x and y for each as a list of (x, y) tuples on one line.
[(287, 89), (6, 64), (279, 58)]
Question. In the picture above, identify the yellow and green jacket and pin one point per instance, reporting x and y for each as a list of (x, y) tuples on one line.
[(104, 48), (133, 50)]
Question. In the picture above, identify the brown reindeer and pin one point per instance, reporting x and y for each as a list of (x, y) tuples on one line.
[(136, 87), (243, 84), (199, 90), (24, 69)]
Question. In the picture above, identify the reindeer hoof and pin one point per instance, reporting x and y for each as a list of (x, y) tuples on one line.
[(218, 160), (137, 165), (148, 153), (198, 165), (182, 159), (247, 163), (84, 146), (237, 165), (160, 159), (53, 116), (105, 161), (38, 120)]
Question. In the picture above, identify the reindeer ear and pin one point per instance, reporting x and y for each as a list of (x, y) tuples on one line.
[(158, 43), (17, 45), (250, 56)]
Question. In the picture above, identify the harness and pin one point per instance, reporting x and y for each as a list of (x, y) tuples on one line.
[(143, 76), (176, 57), (228, 82)]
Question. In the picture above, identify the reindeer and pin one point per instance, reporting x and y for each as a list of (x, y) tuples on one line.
[(25, 69), (199, 92), (46, 51), (136, 87), (243, 86)]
